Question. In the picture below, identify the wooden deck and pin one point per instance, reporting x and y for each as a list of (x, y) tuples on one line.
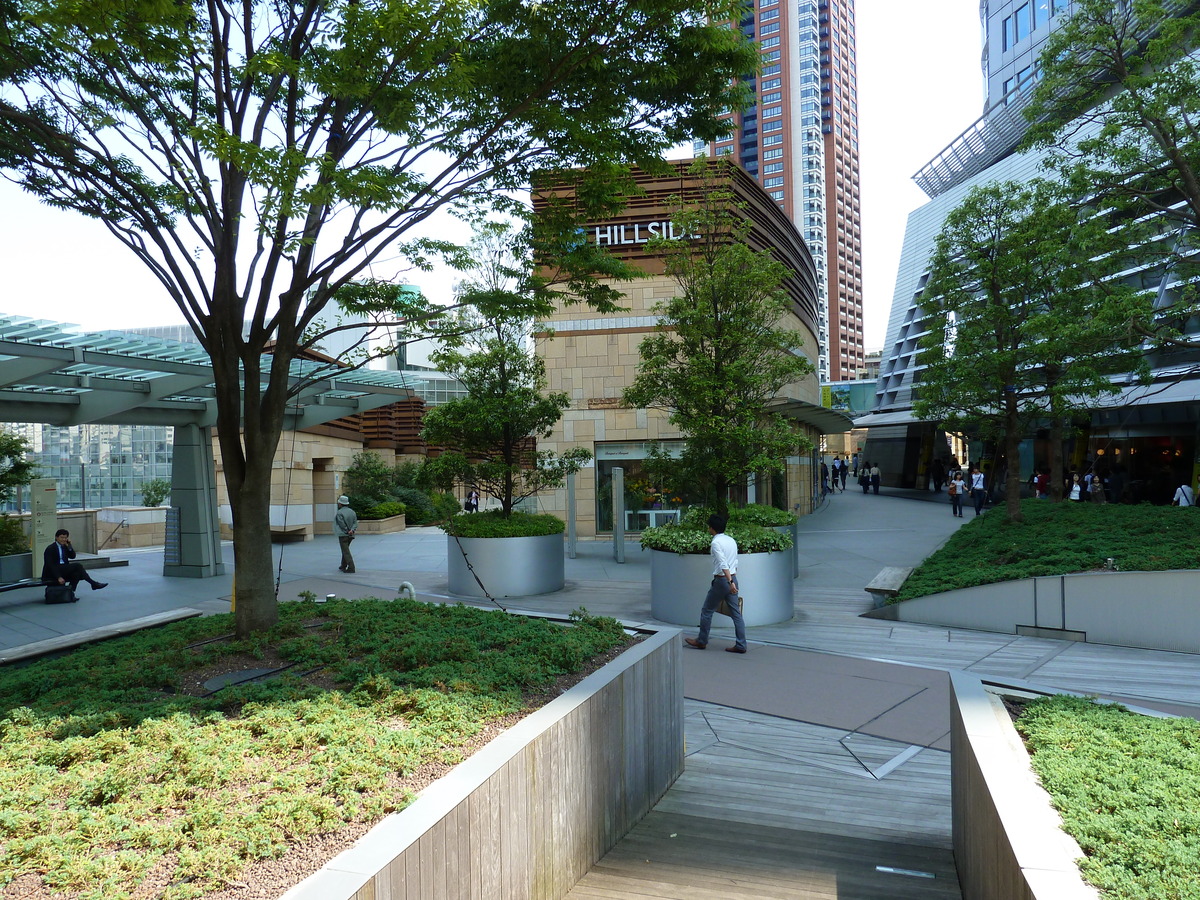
[(770, 808)]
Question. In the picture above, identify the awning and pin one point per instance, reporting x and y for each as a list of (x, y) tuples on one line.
[(826, 421), (900, 417)]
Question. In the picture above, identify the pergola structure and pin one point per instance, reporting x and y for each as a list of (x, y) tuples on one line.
[(56, 376)]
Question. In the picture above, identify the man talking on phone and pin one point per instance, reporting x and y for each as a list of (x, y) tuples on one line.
[(57, 567)]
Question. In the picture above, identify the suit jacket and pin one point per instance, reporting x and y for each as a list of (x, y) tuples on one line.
[(52, 570)]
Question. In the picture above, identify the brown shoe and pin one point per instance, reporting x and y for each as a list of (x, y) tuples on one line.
[(695, 644), (735, 649)]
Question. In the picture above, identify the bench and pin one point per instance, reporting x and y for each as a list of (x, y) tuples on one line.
[(887, 583), (23, 583)]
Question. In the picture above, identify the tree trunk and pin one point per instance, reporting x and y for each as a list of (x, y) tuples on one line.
[(1012, 453), (1057, 475), (256, 606)]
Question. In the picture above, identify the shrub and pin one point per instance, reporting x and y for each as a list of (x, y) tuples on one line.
[(12, 536), (685, 538), (1123, 784), (155, 491), (445, 505), (492, 524), (384, 510), (418, 506)]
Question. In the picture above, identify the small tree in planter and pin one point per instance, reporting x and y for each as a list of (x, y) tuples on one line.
[(155, 491), (15, 469), (721, 353), (494, 428)]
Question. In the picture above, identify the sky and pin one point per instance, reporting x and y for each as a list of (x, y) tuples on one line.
[(919, 87)]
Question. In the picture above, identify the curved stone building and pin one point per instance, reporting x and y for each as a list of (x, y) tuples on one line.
[(593, 357)]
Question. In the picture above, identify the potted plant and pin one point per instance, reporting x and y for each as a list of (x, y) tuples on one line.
[(681, 569), (493, 431), (16, 560)]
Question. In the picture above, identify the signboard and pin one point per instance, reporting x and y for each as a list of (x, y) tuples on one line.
[(43, 494)]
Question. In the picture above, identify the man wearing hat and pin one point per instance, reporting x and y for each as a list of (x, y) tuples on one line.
[(345, 523)]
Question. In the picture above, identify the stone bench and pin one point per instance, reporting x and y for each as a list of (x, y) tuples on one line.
[(887, 583)]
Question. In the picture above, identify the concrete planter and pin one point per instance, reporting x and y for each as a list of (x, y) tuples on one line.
[(16, 567), (390, 525), (679, 583), (529, 814), (507, 566), (1154, 610), (1008, 840)]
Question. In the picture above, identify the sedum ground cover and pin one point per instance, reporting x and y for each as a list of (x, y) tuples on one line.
[(1058, 539), (118, 766), (1128, 790)]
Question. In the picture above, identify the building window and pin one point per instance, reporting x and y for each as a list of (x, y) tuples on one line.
[(1024, 21), (772, 111), (776, 195), (771, 56), (771, 70), (773, 182), (769, 29), (768, 14), (774, 97), (769, 42), (771, 168), (775, 125), (772, 139), (773, 154), (770, 84)]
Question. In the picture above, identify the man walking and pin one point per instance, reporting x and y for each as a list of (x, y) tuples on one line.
[(57, 567), (345, 524), (724, 552)]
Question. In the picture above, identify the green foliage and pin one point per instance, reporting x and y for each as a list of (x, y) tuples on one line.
[(12, 536), (418, 506), (757, 514), (445, 505), (720, 353), (15, 466), (1115, 110), (369, 478), (1014, 337), (684, 538), (1057, 539), (1126, 788), (384, 510), (494, 524), (507, 407), (108, 772), (155, 491)]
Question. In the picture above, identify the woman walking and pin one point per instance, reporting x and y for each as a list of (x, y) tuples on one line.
[(957, 488)]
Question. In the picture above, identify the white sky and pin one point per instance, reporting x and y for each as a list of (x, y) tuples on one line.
[(919, 87)]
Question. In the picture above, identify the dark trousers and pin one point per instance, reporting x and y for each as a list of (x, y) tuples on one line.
[(74, 573), (956, 504), (347, 560), (718, 591), (978, 496)]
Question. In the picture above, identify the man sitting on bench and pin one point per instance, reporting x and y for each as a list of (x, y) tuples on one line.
[(57, 567)]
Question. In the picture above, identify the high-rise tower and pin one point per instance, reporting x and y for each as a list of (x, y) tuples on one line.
[(800, 140)]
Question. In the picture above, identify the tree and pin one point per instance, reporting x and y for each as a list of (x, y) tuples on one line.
[(1116, 107), (16, 468), (506, 404), (155, 491), (721, 352), (1026, 324), (259, 156)]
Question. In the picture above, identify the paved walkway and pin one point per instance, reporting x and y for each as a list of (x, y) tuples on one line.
[(849, 790)]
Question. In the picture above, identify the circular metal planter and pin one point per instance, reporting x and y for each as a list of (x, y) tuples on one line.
[(679, 583), (508, 566)]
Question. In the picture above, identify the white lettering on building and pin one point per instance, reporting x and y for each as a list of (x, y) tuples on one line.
[(637, 233)]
